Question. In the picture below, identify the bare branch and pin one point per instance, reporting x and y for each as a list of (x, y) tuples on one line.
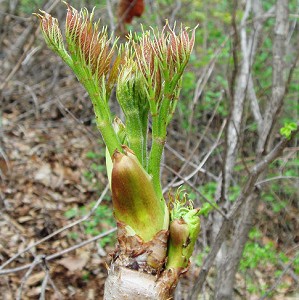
[(187, 163), (110, 14), (188, 160), (234, 123), (276, 178), (178, 5), (201, 83), (254, 105), (44, 286)]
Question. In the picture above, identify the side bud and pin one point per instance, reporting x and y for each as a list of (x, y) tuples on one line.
[(184, 230), (183, 235), (120, 130)]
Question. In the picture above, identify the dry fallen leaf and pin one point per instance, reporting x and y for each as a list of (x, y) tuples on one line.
[(35, 278), (77, 262), (43, 175)]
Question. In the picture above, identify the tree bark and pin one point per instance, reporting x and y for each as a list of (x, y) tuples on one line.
[(229, 267)]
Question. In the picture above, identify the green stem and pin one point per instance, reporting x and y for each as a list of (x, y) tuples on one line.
[(166, 101), (144, 127), (100, 106), (160, 121), (158, 142), (154, 163), (135, 136), (96, 89), (109, 136)]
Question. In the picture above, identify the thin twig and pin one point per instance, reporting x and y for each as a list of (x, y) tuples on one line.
[(188, 163), (28, 49), (111, 17), (175, 11), (47, 279), (36, 261), (204, 159), (82, 244), (188, 160), (44, 286), (201, 83), (58, 254), (276, 178)]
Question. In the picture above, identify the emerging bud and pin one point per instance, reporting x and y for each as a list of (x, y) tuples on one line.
[(51, 32), (133, 98), (148, 65), (120, 129), (180, 46), (172, 50), (89, 46), (135, 202), (130, 90), (184, 230), (162, 58)]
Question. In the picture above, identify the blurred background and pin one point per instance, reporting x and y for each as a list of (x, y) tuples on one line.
[(52, 158)]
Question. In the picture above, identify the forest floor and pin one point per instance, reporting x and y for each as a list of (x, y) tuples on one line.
[(52, 170), (42, 179), (47, 172)]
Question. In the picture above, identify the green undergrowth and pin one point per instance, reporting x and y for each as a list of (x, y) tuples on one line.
[(264, 259), (101, 220)]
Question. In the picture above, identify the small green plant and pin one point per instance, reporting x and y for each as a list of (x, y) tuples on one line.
[(97, 165), (85, 276), (287, 129), (256, 255), (209, 190), (101, 219), (200, 257), (279, 196), (276, 204)]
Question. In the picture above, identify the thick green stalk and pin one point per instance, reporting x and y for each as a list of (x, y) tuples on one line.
[(135, 202), (159, 133)]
